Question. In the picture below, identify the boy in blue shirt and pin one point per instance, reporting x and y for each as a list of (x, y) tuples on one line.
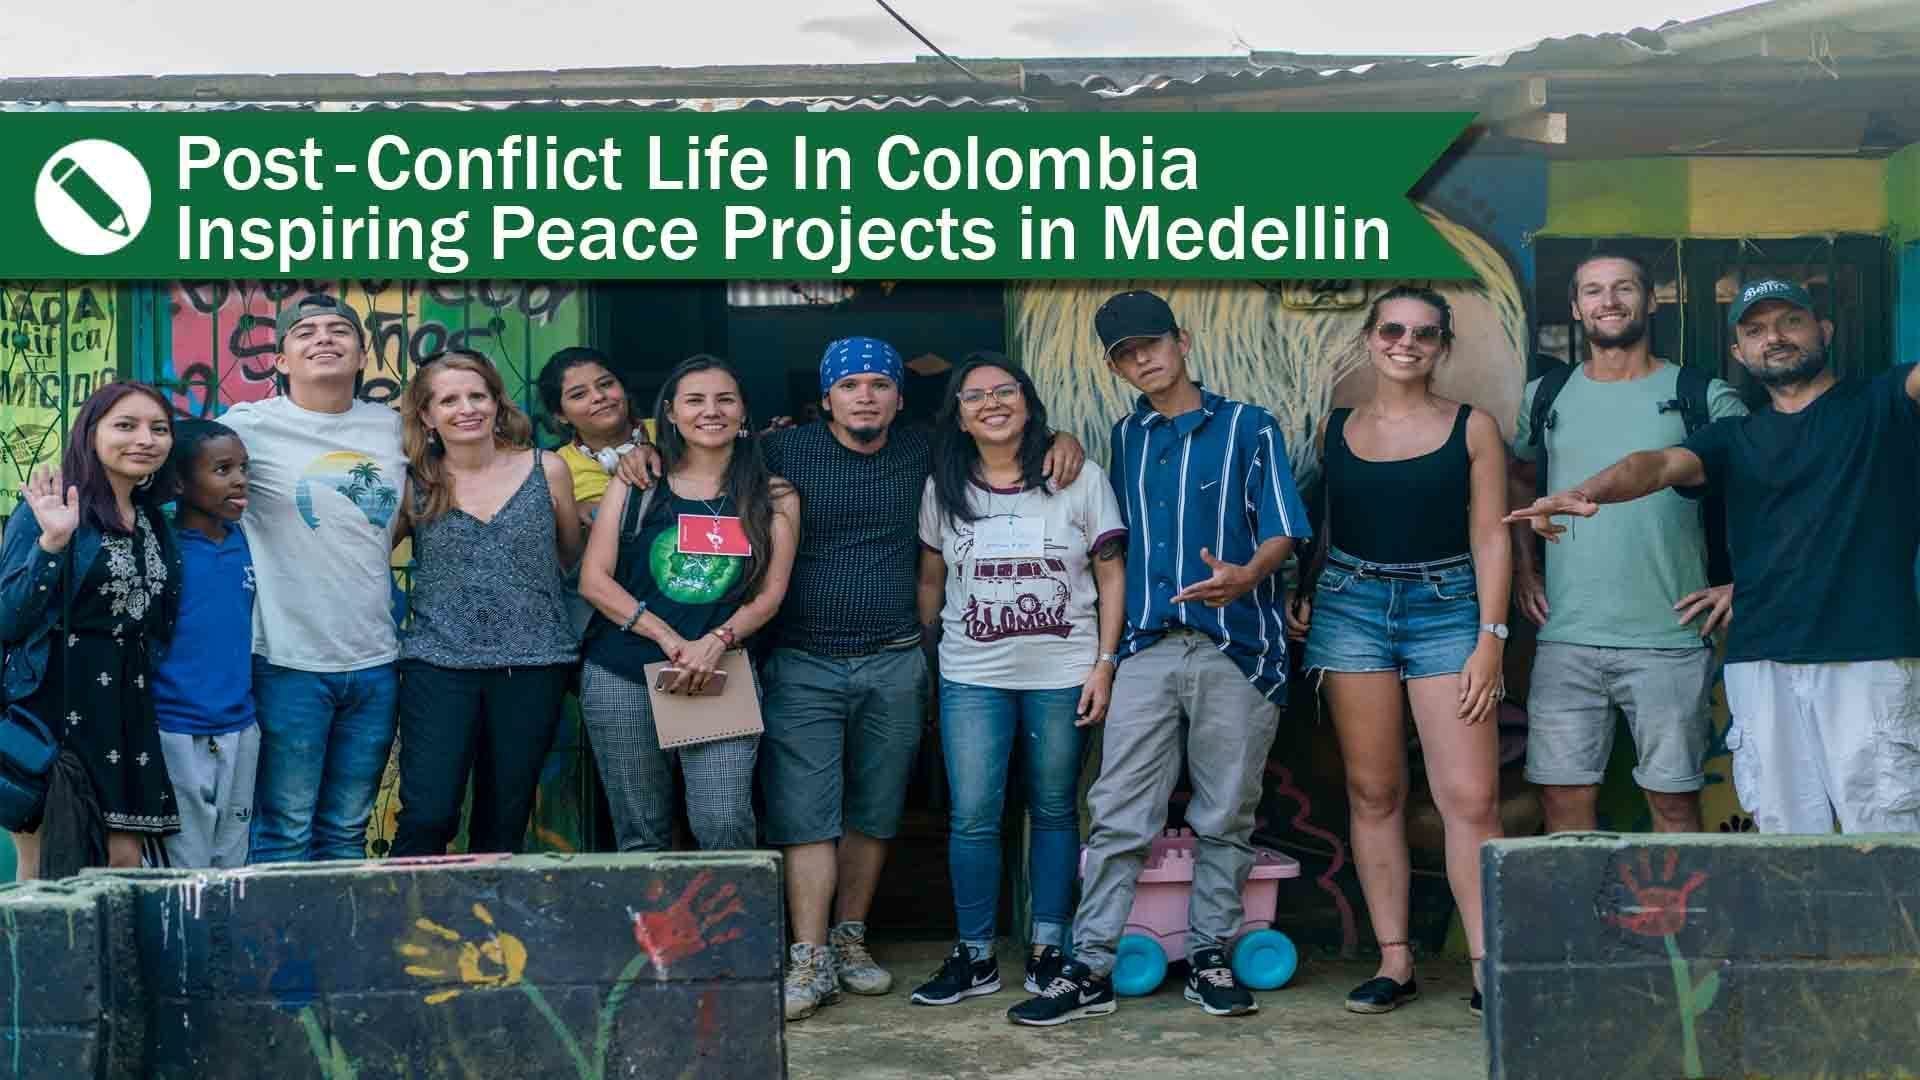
[(203, 686)]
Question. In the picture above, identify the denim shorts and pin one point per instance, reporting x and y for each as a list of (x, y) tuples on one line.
[(842, 735), (1422, 621)]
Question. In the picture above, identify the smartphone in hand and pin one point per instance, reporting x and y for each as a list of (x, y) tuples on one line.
[(667, 676)]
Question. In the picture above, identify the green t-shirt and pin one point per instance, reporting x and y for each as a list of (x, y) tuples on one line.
[(1613, 578)]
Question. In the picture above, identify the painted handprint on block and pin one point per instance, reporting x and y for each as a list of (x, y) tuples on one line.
[(493, 959), (1654, 908), (687, 925)]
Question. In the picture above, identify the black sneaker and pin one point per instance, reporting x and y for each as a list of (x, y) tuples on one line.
[(1041, 969), (959, 978), (1073, 993), (1211, 986), (1381, 994), (1474, 1004)]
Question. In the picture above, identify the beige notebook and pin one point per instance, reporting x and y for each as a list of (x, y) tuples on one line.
[(686, 720)]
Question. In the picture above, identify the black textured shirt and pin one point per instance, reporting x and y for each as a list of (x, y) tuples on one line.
[(854, 578)]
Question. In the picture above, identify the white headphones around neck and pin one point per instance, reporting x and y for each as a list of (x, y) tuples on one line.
[(609, 458)]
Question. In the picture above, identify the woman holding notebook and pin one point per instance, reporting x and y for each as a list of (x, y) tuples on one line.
[(680, 575)]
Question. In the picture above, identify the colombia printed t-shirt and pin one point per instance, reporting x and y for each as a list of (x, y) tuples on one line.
[(1821, 524), (1025, 617)]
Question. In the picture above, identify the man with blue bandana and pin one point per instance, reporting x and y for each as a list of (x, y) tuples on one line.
[(846, 686)]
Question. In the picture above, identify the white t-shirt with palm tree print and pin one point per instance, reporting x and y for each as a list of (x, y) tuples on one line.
[(324, 500)]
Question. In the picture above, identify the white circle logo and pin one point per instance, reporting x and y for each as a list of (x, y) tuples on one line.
[(93, 197)]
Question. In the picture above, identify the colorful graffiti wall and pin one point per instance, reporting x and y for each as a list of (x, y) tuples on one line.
[(57, 344), (216, 348), (219, 347)]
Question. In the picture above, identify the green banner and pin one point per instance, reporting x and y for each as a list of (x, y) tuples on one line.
[(574, 195)]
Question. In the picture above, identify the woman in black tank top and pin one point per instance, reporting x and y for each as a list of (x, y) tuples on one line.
[(662, 595), (1413, 594)]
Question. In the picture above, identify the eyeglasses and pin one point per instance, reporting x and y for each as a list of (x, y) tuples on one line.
[(1426, 334), (1005, 394)]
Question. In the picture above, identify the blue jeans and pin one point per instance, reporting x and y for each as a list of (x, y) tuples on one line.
[(324, 739), (977, 729)]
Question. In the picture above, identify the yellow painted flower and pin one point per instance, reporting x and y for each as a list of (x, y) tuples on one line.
[(495, 959)]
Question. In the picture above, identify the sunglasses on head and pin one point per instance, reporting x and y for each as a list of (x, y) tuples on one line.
[(1425, 334)]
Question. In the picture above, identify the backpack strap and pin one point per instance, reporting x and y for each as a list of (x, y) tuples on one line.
[(1694, 402), (1543, 417)]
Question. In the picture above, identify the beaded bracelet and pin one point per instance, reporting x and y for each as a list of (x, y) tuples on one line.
[(634, 618)]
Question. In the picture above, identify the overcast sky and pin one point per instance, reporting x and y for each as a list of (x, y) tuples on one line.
[(113, 37)]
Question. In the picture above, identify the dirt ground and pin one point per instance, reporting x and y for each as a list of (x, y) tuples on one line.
[(1301, 1032)]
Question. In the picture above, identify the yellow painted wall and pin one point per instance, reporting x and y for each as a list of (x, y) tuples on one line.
[(1716, 197)]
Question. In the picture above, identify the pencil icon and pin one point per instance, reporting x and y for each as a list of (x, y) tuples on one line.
[(87, 193)]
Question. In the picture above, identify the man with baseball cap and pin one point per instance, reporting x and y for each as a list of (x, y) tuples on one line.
[(1823, 658), (847, 683), (327, 479), (1212, 513)]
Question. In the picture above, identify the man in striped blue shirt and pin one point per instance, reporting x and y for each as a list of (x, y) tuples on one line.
[(1212, 514)]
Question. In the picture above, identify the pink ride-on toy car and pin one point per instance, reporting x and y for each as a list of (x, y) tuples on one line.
[(1263, 958)]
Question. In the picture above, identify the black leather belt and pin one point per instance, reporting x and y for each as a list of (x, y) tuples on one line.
[(1421, 572)]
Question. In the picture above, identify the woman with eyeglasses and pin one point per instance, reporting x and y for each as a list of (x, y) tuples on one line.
[(1411, 596), (1026, 586), (487, 654)]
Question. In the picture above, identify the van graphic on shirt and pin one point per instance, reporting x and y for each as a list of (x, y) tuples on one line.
[(354, 477), (1017, 597)]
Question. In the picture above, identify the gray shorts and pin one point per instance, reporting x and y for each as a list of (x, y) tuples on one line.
[(1664, 693), (840, 740), (213, 787)]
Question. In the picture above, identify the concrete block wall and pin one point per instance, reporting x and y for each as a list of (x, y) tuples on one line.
[(469, 966), (1694, 956), (72, 1003)]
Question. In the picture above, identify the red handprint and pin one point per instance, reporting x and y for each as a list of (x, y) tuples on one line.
[(1658, 910), (686, 925)]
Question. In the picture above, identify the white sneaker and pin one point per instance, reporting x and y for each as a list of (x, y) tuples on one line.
[(852, 962), (810, 981)]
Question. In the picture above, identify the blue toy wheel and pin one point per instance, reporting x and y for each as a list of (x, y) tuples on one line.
[(1264, 960), (1139, 963)]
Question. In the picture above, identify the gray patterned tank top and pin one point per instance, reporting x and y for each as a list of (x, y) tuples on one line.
[(487, 594)]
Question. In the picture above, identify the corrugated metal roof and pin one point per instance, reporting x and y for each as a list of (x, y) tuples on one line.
[(1007, 84), (875, 103)]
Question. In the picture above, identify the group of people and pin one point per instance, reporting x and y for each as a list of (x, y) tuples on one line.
[(229, 682)]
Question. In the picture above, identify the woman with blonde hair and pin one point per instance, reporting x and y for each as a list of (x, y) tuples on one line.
[(486, 656)]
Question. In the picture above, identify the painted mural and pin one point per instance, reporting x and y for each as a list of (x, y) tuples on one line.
[(218, 350), (46, 329)]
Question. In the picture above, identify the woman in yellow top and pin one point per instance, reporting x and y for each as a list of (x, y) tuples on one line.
[(586, 404)]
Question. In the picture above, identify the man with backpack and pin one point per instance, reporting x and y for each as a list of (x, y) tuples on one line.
[(1823, 666), (1616, 602)]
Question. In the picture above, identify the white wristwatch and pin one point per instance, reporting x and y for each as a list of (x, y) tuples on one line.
[(1497, 629)]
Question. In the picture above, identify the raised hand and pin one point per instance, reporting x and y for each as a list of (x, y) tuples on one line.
[(55, 507)]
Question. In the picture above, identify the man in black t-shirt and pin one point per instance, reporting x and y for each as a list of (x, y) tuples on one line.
[(1823, 655)]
